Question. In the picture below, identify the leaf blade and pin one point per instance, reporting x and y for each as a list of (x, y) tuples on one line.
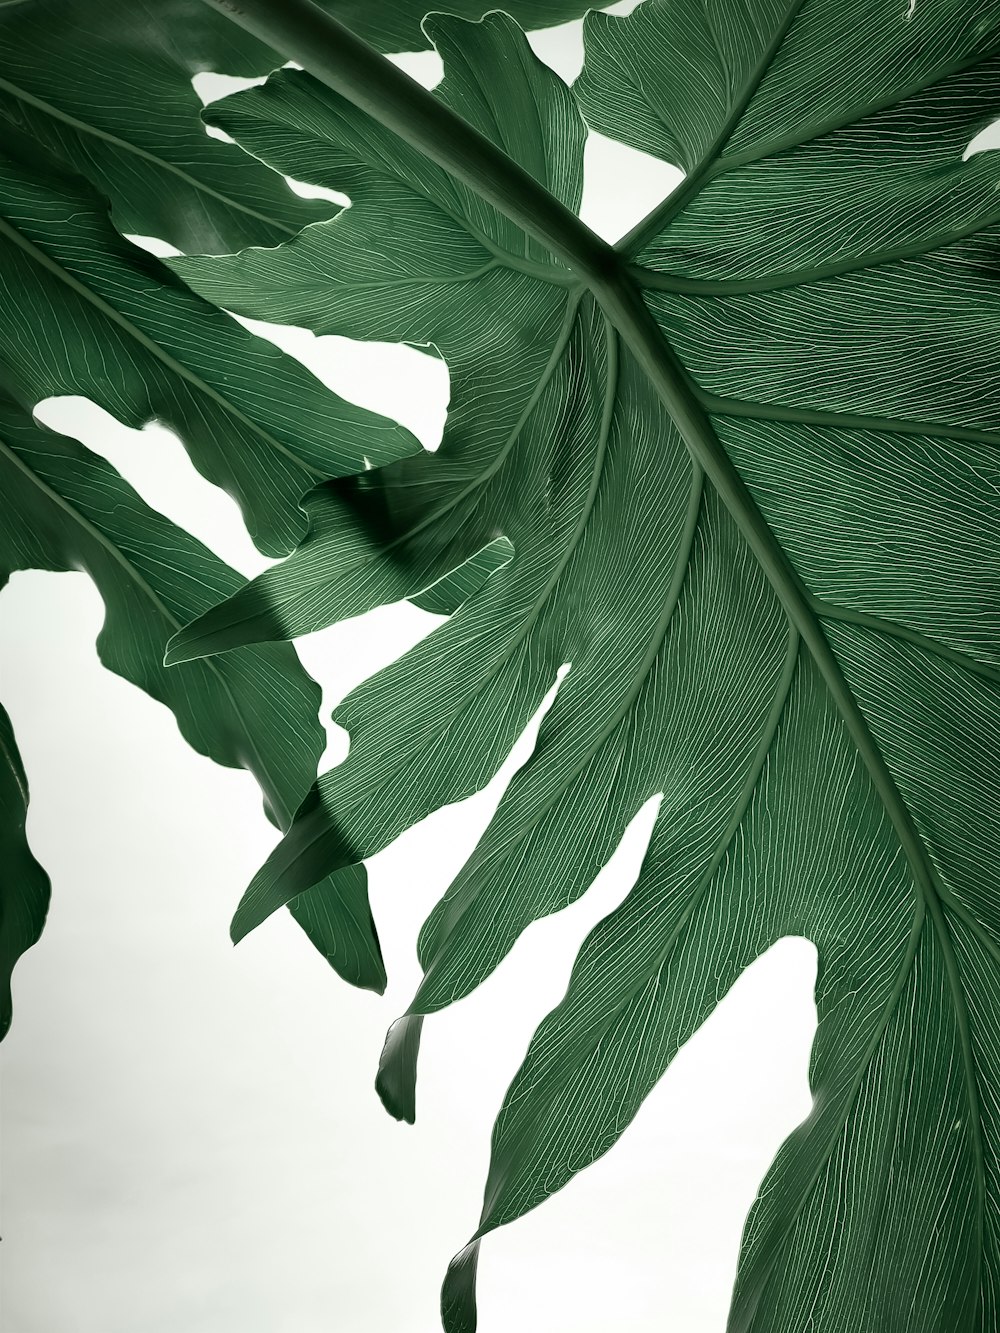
[(65, 508), (897, 838)]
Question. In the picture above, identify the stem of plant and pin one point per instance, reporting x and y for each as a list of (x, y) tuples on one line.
[(302, 32)]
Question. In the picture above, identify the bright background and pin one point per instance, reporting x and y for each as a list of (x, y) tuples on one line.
[(191, 1139)]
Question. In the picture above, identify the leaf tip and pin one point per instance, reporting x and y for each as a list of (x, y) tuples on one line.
[(376, 981), (242, 924), (177, 651), (396, 1080)]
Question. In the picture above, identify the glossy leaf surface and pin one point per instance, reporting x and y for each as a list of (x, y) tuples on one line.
[(800, 656)]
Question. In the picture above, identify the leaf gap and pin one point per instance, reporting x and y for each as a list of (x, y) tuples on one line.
[(397, 380), (210, 87), (641, 182), (987, 140), (674, 1191), (155, 463)]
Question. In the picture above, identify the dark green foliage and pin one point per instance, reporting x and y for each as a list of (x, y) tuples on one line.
[(790, 646), (743, 479)]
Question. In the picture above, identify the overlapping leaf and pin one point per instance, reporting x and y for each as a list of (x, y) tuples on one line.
[(827, 277), (24, 885), (395, 25), (88, 313), (65, 508), (108, 90), (108, 87)]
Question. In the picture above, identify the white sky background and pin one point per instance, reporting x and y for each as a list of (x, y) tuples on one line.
[(191, 1138)]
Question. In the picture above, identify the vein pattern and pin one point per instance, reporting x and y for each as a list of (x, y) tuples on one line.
[(826, 280)]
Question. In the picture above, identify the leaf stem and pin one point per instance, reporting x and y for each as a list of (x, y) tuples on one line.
[(348, 65), (302, 32)]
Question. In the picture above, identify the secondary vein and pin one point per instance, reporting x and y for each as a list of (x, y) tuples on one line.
[(532, 615), (691, 185), (680, 573), (831, 611), (658, 280), (722, 406)]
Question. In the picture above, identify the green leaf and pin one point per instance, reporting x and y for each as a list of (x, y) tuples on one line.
[(750, 489), (337, 917), (65, 508), (88, 313), (108, 88), (24, 889)]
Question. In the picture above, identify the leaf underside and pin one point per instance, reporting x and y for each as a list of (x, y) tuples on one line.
[(826, 277)]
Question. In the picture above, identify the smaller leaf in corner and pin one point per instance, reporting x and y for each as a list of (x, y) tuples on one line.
[(24, 885), (107, 87)]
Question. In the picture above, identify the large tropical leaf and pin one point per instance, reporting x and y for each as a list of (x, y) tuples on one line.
[(88, 313), (786, 629), (65, 508)]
